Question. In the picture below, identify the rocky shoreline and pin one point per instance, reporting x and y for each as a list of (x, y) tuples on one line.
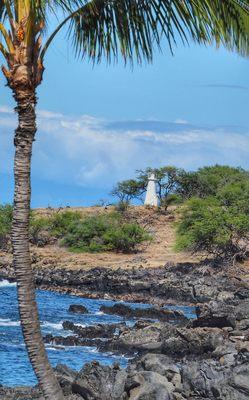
[(183, 283), (173, 358)]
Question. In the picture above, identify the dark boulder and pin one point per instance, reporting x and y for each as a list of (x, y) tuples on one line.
[(65, 377), (209, 379), (61, 341), (185, 341), (20, 393), (155, 313), (162, 365), (140, 338), (96, 382), (215, 315), (94, 331), (78, 309)]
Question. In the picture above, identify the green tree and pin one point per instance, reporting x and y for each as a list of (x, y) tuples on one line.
[(207, 181), (167, 183), (99, 29), (167, 180), (217, 225), (127, 190)]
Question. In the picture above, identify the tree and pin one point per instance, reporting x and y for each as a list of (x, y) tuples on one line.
[(217, 225), (207, 181), (127, 190), (98, 29), (167, 179)]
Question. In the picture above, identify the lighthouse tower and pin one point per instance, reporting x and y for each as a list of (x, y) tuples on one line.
[(151, 198)]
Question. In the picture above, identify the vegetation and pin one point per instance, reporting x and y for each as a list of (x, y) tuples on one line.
[(167, 183), (207, 181), (104, 233), (217, 224), (6, 212), (94, 233), (175, 184), (98, 29), (214, 216)]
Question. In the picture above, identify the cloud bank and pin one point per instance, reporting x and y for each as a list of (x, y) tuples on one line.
[(89, 152)]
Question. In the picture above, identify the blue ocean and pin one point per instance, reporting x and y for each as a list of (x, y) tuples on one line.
[(15, 369)]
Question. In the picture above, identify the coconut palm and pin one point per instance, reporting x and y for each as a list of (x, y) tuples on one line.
[(98, 29)]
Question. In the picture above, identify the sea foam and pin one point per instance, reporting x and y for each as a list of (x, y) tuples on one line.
[(5, 283), (8, 322), (51, 325)]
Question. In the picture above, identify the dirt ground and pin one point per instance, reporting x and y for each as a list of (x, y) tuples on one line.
[(156, 253)]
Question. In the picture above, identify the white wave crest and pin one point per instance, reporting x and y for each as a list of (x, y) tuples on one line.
[(54, 348), (99, 313), (8, 322), (81, 325), (5, 283), (57, 326)]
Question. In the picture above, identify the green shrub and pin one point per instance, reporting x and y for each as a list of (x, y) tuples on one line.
[(210, 227), (59, 222), (86, 234), (103, 233), (126, 237), (6, 212)]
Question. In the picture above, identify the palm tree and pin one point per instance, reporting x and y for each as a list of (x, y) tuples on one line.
[(111, 29)]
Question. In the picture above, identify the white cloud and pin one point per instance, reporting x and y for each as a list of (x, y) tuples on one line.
[(87, 151), (181, 121), (6, 110), (48, 114)]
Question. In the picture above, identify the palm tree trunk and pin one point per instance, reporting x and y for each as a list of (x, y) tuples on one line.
[(24, 137)]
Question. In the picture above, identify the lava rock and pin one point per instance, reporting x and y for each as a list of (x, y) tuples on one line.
[(148, 385), (96, 382), (152, 313), (94, 331), (78, 309), (215, 315)]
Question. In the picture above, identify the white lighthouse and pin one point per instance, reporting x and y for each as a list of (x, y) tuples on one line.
[(151, 198)]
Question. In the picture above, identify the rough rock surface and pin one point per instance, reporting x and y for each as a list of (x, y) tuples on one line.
[(206, 358), (179, 283), (78, 309), (156, 313)]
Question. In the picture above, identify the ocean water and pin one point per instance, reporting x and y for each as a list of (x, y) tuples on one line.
[(15, 369)]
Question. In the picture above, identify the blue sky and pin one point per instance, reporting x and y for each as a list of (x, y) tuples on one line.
[(98, 125)]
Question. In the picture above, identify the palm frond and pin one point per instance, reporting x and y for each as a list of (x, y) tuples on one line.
[(133, 28)]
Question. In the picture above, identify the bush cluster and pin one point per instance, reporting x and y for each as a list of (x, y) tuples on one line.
[(95, 233), (217, 222)]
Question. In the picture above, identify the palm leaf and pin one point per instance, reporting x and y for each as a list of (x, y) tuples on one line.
[(133, 28)]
